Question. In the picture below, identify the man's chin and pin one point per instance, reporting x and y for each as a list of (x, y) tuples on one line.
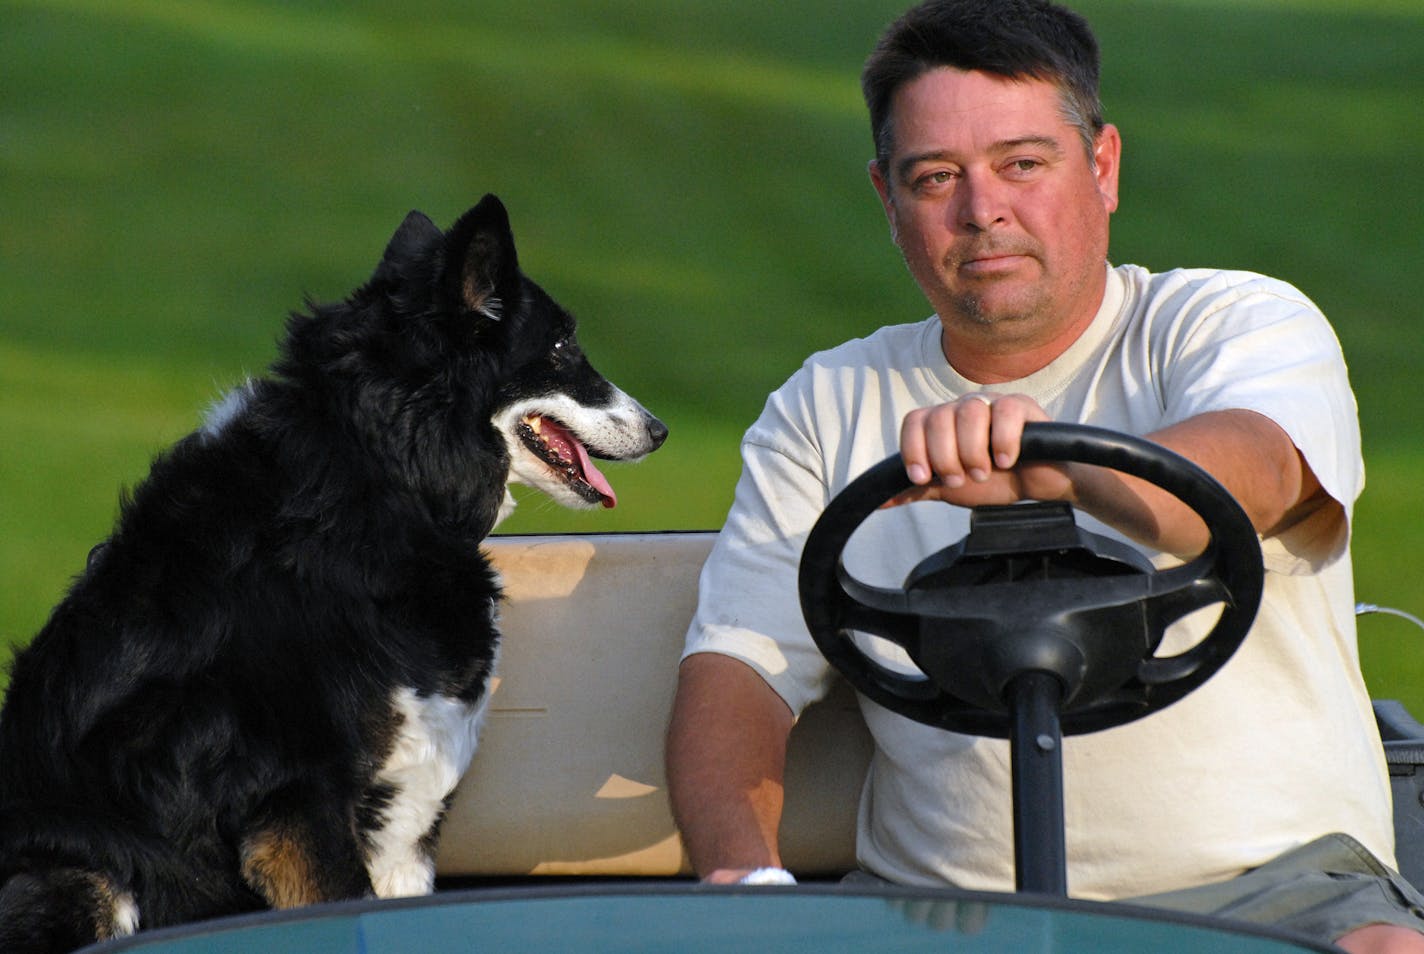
[(994, 307)]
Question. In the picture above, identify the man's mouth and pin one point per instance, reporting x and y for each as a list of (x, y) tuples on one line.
[(992, 264), (991, 255), (565, 455)]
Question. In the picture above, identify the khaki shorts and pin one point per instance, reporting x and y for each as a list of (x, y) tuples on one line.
[(1321, 890)]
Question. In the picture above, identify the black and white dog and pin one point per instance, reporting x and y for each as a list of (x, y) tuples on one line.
[(266, 683)]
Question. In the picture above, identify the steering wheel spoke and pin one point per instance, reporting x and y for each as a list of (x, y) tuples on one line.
[(879, 611)]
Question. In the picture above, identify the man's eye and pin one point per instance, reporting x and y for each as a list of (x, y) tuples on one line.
[(932, 179)]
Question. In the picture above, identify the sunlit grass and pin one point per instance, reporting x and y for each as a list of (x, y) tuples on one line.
[(1389, 568), (380, 38), (688, 177)]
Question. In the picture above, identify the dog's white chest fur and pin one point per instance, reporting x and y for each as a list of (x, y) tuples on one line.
[(433, 746)]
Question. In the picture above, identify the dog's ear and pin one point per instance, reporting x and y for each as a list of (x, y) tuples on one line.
[(412, 242), (481, 268)]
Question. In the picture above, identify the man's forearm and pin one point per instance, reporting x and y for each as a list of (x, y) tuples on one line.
[(1247, 452), (726, 753)]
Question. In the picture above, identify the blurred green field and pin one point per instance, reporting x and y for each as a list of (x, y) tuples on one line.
[(687, 176)]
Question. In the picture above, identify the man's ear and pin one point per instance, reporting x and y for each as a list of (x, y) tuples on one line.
[(879, 179), (1107, 164), (481, 267)]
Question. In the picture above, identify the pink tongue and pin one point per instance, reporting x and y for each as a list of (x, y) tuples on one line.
[(592, 476), (560, 437)]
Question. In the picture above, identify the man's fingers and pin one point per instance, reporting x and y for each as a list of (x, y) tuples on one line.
[(973, 416), (949, 444), (1010, 415), (912, 447), (962, 443)]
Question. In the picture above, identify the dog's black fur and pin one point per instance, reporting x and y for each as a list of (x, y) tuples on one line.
[(213, 719)]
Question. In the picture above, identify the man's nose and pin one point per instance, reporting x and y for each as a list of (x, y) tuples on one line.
[(983, 201)]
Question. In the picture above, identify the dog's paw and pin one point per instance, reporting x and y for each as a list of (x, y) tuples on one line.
[(408, 880)]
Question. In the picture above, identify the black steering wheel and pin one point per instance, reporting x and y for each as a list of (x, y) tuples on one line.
[(1027, 591)]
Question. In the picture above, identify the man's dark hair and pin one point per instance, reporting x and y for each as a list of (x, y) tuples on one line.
[(1017, 39)]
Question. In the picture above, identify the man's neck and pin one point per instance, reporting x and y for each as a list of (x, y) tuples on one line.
[(997, 362)]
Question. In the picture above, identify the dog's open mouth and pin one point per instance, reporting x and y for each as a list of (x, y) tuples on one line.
[(566, 456)]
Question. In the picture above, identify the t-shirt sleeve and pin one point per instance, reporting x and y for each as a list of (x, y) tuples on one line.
[(748, 606), (1263, 346)]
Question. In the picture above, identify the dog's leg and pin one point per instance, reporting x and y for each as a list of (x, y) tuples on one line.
[(432, 745), (401, 856), (302, 851)]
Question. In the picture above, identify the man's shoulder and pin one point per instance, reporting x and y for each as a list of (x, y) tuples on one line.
[(836, 385), (1204, 287)]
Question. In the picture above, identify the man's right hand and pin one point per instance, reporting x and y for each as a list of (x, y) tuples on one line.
[(965, 452)]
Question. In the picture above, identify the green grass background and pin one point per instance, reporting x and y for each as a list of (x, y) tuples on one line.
[(687, 176)]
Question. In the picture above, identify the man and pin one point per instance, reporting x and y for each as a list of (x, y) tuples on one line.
[(998, 177)]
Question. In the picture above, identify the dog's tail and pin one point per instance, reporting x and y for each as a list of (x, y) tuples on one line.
[(58, 910), (57, 892)]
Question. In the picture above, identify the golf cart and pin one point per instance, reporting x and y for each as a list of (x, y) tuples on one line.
[(560, 837)]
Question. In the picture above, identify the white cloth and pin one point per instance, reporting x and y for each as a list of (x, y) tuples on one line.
[(768, 876), (1278, 748)]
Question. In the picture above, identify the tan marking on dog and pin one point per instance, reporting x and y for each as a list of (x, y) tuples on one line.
[(115, 912), (277, 866)]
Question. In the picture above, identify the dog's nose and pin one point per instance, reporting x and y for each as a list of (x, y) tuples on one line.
[(657, 432)]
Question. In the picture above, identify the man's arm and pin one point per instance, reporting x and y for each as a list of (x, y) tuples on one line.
[(726, 754), (1251, 456), (965, 453)]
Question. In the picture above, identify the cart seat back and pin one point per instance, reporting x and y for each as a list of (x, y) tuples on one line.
[(568, 778)]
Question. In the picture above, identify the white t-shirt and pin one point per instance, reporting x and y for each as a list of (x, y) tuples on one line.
[(1278, 748)]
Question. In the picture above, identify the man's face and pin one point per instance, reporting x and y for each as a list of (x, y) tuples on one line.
[(1000, 214)]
